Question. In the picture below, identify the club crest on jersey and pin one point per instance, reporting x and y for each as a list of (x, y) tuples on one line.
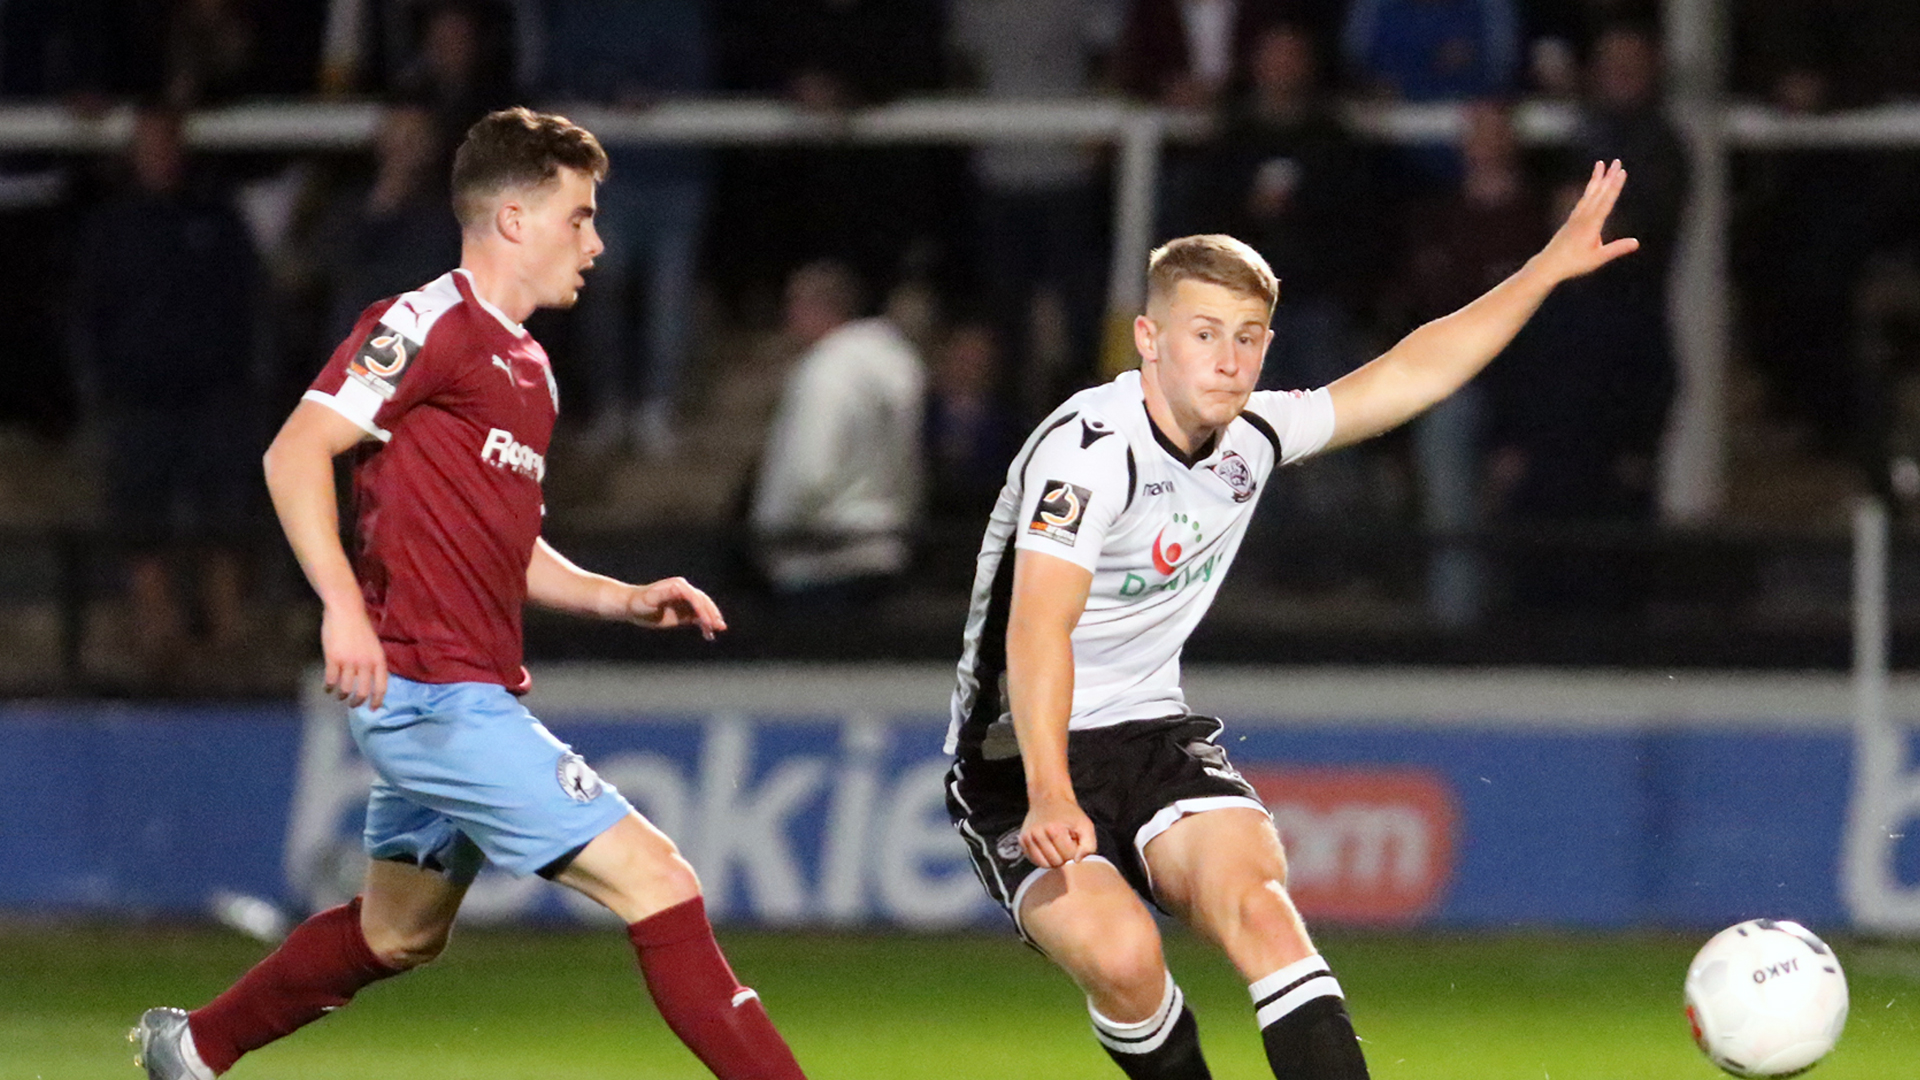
[(1062, 507), (1233, 470), (577, 778), (381, 360)]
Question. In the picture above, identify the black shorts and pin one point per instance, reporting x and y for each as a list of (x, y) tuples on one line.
[(1133, 780)]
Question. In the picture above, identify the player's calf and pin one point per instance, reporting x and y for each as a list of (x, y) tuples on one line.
[(319, 968), (1304, 1024), (721, 1021)]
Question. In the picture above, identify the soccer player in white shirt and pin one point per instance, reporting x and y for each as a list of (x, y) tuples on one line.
[(1081, 784)]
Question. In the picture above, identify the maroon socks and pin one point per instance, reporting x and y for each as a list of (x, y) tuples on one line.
[(721, 1021), (319, 968), (325, 961)]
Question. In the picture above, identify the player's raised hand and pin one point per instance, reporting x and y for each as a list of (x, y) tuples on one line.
[(1578, 247), (672, 602), (1056, 833), (356, 665)]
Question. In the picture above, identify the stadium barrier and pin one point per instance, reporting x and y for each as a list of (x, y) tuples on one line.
[(812, 796)]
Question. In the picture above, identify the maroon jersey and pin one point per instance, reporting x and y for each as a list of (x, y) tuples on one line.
[(447, 501)]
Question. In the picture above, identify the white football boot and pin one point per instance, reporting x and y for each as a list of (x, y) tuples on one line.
[(166, 1047)]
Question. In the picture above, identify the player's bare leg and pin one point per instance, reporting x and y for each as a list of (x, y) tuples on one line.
[(401, 920), (632, 870), (1086, 918), (636, 872), (406, 913), (1225, 874)]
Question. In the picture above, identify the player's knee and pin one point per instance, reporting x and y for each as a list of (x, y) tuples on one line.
[(653, 878), (1262, 909), (404, 950), (1130, 965), (676, 881)]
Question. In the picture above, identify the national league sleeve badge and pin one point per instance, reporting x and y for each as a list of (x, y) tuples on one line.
[(1062, 507)]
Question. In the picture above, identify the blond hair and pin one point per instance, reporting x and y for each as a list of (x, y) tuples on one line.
[(1214, 258)]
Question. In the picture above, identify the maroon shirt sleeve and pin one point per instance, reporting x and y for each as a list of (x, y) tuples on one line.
[(382, 369)]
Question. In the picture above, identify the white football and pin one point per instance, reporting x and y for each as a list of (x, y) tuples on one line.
[(1766, 998)]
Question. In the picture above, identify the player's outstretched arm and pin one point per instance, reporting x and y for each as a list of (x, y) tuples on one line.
[(554, 582), (1438, 358), (1049, 596), (299, 467)]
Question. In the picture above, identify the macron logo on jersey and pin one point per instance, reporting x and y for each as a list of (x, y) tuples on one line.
[(502, 450)]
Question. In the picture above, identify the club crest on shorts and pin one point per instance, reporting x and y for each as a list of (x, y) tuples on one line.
[(577, 778), (1008, 846), (1061, 509), (1234, 471)]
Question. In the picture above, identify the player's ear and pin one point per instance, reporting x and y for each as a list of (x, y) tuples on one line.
[(509, 219), (1143, 329)]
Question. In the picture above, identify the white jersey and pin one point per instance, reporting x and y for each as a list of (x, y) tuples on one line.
[(1098, 485)]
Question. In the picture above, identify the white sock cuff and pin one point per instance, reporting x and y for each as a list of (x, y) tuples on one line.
[(1141, 1036), (1292, 973), (197, 1066), (1280, 993)]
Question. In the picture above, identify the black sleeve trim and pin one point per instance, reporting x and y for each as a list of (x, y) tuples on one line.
[(1035, 448), (1260, 425), (990, 664), (1133, 480)]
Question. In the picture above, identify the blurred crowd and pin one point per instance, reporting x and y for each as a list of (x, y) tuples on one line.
[(915, 310)]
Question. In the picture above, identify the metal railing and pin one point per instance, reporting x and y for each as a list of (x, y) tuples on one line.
[(1692, 481)]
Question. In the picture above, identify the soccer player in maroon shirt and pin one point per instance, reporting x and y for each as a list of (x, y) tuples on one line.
[(447, 404)]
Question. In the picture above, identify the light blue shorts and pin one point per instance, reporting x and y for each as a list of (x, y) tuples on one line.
[(465, 771)]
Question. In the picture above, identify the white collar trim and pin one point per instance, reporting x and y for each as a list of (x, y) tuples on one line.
[(513, 327)]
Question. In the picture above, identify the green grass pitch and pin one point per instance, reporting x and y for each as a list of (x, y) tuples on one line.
[(515, 1005)]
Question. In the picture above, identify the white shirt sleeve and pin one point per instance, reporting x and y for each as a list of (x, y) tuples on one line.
[(1303, 420), (1071, 494)]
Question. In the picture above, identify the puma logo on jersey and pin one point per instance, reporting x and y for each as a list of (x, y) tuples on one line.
[(503, 450), (504, 366)]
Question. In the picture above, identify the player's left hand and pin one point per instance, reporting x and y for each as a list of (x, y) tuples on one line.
[(1577, 248), (672, 602)]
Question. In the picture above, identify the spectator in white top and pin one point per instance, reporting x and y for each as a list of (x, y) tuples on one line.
[(840, 482)]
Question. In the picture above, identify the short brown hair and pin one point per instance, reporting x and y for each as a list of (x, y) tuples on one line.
[(516, 148), (1214, 258)]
